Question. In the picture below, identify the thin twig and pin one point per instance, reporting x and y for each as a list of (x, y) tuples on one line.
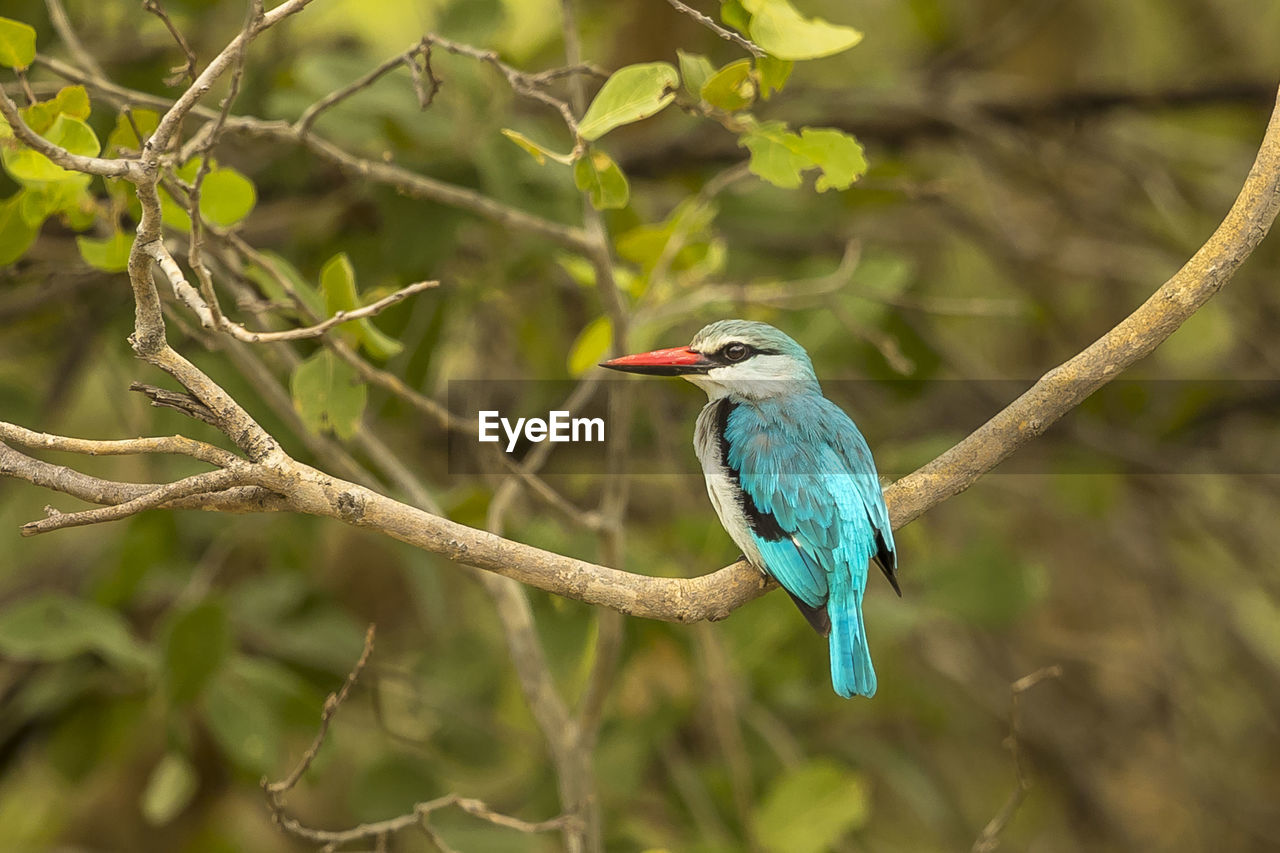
[(402, 180), (208, 482), (275, 790), (171, 444), (195, 255), (62, 25), (179, 72), (340, 317), (989, 839), (423, 46), (726, 34), (59, 478)]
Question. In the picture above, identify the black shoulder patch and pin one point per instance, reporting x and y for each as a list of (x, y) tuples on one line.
[(763, 524)]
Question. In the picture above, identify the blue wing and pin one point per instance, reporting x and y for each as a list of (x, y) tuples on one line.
[(805, 468), (817, 516)]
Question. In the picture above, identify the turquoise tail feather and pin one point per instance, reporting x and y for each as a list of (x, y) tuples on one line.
[(851, 671)]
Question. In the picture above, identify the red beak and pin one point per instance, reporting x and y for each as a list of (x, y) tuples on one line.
[(677, 361)]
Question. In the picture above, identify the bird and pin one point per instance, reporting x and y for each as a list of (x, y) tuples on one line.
[(790, 477)]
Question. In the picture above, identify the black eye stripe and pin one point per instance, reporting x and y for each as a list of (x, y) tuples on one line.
[(720, 356)]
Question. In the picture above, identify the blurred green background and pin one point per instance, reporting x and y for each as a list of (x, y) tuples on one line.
[(1037, 170)]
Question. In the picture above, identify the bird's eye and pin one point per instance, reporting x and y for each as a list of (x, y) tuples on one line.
[(736, 352)]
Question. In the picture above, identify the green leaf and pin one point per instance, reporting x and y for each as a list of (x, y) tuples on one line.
[(779, 155), (731, 88), (592, 343), (243, 723), (16, 233), (17, 43), (599, 176), (109, 255), (73, 101), (695, 70), (199, 640), (170, 789), (68, 132), (328, 395), (537, 152), (836, 153), (782, 31), (338, 283), (735, 15), (271, 287), (55, 626), (172, 213), (122, 135), (226, 197), (630, 94), (578, 268), (773, 74), (773, 154), (811, 806), (40, 201)]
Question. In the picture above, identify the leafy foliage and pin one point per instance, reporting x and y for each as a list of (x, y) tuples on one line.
[(157, 668)]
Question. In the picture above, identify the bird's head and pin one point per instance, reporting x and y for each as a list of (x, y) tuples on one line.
[(731, 358)]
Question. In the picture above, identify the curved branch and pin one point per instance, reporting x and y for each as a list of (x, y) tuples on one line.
[(714, 596), (1067, 385)]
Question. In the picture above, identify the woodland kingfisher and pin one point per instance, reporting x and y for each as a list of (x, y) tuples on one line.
[(790, 477)]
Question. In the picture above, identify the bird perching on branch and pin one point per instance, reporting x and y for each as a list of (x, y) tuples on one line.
[(791, 478)]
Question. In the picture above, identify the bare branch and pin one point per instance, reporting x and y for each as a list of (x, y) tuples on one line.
[(206, 483), (305, 332), (62, 25), (408, 58), (1067, 385), (409, 183), (528, 85), (169, 122), (172, 444), (209, 138), (331, 705), (179, 72), (240, 499), (726, 34), (381, 830), (989, 840)]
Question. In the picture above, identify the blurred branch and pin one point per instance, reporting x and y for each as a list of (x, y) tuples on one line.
[(1069, 384), (404, 181), (895, 124), (989, 840), (276, 790), (178, 72), (408, 58), (381, 831), (67, 34)]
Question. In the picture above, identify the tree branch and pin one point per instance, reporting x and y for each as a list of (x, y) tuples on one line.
[(1067, 385), (726, 34)]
